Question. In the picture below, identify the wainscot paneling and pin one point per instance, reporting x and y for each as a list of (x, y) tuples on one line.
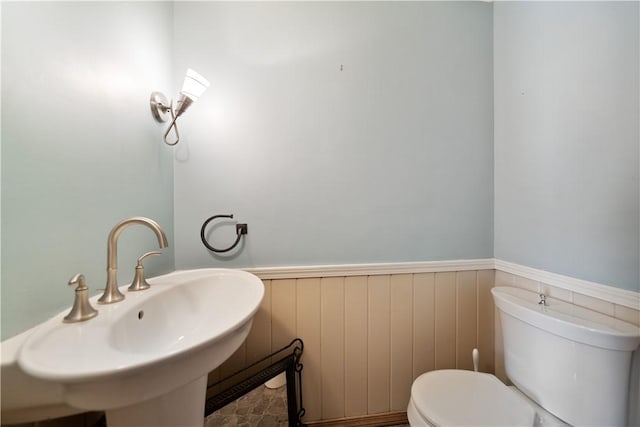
[(367, 337)]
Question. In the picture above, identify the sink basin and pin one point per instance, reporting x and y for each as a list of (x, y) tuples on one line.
[(25, 398), (152, 327), (156, 346)]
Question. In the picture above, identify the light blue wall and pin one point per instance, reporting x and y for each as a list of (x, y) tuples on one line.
[(567, 137), (388, 159), (80, 150)]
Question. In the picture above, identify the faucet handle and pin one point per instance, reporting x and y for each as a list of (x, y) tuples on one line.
[(143, 256), (82, 309), (543, 299), (139, 282)]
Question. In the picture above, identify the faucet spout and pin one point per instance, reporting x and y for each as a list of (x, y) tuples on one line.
[(111, 292)]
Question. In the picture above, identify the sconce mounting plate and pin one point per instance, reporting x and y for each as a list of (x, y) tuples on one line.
[(160, 107)]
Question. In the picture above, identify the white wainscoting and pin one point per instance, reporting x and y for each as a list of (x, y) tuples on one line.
[(370, 329)]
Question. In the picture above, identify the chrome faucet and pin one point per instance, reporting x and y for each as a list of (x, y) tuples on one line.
[(111, 292)]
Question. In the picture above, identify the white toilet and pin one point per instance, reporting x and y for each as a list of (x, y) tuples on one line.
[(569, 366)]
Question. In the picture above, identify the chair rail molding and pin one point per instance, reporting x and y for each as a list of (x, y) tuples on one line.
[(607, 293), (374, 269)]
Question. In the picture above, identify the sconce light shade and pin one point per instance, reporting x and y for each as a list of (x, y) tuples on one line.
[(193, 87)]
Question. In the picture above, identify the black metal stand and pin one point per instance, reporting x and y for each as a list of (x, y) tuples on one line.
[(288, 363)]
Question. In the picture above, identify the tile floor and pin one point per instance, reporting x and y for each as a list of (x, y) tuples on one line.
[(262, 407)]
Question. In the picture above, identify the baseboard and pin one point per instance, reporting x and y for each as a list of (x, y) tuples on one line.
[(376, 420)]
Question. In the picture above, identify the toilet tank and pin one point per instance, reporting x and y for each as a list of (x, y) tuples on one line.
[(573, 362)]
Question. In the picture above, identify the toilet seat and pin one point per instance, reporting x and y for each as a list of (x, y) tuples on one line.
[(454, 397)]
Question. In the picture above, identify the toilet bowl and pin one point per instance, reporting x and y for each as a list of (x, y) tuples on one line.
[(452, 397), (569, 366)]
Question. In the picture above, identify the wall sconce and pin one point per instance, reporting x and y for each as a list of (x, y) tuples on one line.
[(193, 87)]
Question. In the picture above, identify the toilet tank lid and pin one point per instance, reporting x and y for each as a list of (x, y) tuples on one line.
[(567, 320), (452, 397)]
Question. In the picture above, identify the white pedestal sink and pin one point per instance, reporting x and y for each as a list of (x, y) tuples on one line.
[(145, 360)]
